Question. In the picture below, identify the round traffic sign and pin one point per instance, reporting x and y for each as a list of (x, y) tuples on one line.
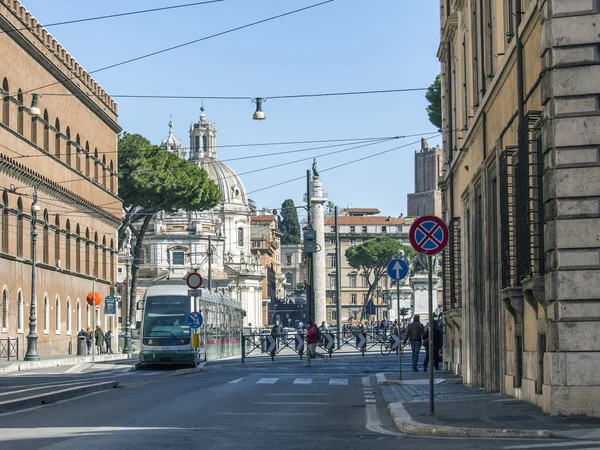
[(195, 319), (94, 299), (397, 269), (428, 235), (194, 280)]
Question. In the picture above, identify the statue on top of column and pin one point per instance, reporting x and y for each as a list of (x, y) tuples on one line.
[(314, 168)]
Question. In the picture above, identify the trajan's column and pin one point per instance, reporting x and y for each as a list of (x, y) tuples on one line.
[(317, 214)]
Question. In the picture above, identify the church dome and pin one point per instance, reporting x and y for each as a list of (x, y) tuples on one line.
[(230, 184), (172, 144)]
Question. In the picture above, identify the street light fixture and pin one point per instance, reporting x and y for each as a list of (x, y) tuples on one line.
[(32, 353), (127, 348), (259, 114), (34, 110)]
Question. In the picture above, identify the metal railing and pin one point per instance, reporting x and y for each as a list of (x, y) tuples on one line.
[(9, 348)]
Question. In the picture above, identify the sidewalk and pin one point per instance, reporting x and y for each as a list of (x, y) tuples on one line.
[(55, 361), (462, 411)]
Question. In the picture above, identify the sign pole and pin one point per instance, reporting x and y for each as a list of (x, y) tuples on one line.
[(399, 324), (431, 364)]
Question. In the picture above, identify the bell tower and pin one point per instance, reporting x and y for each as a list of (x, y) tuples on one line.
[(203, 139)]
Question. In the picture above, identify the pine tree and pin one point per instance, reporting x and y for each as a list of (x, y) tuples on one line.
[(289, 225)]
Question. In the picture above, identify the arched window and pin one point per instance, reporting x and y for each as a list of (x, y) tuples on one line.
[(46, 143), (57, 139), (68, 316), (197, 144), (78, 153), (46, 314), (204, 143), (20, 113), (104, 268), (112, 177), (20, 227), (5, 220), (289, 278), (96, 162), (87, 251), (45, 239), (68, 150), (96, 255), (57, 315), (68, 246), (78, 316), (87, 315), (6, 103), (5, 310), (87, 159), (104, 170), (240, 237), (78, 249), (112, 262), (57, 238), (20, 312)]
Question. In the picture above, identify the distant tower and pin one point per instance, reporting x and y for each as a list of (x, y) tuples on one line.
[(172, 144), (203, 139), (317, 214), (427, 199)]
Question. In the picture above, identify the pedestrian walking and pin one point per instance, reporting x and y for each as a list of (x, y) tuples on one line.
[(437, 345), (108, 341), (99, 339), (89, 337), (312, 337), (414, 333)]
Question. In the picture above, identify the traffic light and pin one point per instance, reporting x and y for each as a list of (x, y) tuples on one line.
[(310, 241)]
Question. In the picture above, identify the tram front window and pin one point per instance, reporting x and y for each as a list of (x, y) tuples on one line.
[(167, 317)]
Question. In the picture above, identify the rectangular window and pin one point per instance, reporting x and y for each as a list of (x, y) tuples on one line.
[(384, 229), (332, 282), (332, 241), (352, 229), (332, 229), (288, 259), (240, 239), (178, 258), (353, 299), (352, 241), (385, 282), (332, 261), (120, 270), (364, 228), (541, 351), (353, 281), (363, 281), (364, 298), (256, 244)]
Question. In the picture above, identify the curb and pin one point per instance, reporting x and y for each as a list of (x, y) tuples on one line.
[(383, 381), (51, 397), (33, 365)]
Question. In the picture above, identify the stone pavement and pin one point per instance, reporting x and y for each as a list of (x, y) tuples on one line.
[(462, 411), (55, 361)]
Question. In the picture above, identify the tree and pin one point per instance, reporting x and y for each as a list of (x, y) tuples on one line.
[(434, 97), (329, 209), (372, 259), (151, 180), (289, 225)]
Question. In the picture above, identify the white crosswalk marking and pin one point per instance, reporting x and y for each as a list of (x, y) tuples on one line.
[(338, 381), (267, 381), (303, 381), (237, 380)]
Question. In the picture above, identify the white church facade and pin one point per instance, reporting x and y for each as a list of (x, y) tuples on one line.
[(177, 243)]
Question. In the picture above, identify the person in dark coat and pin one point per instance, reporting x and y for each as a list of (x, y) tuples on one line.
[(89, 337), (414, 333), (99, 339), (437, 345), (108, 341)]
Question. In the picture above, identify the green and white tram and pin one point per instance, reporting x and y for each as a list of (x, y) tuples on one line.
[(165, 335)]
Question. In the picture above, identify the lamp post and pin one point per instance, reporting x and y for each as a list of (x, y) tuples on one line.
[(32, 353), (127, 344)]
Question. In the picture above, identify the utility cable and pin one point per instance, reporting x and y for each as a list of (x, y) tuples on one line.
[(110, 16), (175, 47)]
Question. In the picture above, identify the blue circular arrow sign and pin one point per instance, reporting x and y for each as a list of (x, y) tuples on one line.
[(397, 269), (195, 319)]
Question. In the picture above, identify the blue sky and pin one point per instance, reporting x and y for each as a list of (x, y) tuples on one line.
[(346, 45)]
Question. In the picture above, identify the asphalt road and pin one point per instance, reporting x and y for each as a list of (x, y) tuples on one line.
[(333, 405)]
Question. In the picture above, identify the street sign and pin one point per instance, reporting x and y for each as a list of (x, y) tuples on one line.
[(397, 269), (195, 292), (370, 308), (428, 235), (299, 343), (329, 341), (94, 298), (194, 280), (271, 341), (395, 341), (110, 306), (195, 319)]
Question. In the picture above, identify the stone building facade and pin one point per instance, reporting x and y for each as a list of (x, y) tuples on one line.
[(427, 198), (293, 269), (69, 153), (358, 225), (521, 189)]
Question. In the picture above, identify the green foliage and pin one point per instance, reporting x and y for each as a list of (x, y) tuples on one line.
[(372, 258), (289, 225), (434, 97)]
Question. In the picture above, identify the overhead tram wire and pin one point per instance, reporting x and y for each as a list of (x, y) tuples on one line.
[(185, 44), (111, 16)]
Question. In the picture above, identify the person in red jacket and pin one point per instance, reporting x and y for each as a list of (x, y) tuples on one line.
[(311, 343)]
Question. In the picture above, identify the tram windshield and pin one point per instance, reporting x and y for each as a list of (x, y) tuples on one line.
[(167, 316)]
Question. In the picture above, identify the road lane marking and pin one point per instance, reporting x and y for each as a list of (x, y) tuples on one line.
[(267, 381), (236, 380), (292, 403), (77, 368), (338, 382), (303, 381), (299, 395), (374, 423), (554, 444)]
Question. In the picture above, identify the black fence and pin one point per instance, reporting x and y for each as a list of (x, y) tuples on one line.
[(9, 348)]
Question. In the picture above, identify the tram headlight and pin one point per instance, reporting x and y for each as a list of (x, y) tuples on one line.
[(182, 341), (150, 342)]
